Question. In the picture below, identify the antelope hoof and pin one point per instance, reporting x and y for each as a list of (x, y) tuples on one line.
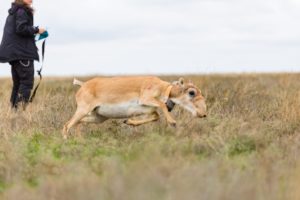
[(64, 133), (126, 121), (173, 124), (129, 122)]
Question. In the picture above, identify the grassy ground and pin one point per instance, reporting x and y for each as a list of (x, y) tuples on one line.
[(247, 148)]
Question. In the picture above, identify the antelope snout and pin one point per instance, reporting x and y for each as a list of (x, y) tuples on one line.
[(202, 115)]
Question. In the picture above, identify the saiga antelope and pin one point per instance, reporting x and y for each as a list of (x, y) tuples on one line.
[(137, 99)]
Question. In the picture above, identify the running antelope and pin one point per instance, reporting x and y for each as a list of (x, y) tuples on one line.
[(136, 99)]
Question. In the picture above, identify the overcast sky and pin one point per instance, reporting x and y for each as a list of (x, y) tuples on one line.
[(167, 36)]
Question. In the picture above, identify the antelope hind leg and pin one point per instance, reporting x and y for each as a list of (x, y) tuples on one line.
[(79, 114), (149, 118)]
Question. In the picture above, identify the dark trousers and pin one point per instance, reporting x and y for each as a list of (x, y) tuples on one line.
[(23, 80)]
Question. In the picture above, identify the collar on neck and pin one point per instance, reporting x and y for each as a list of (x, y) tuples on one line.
[(169, 103)]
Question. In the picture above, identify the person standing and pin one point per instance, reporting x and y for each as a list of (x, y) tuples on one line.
[(18, 48)]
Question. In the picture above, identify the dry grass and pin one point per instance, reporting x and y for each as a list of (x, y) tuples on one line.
[(248, 147)]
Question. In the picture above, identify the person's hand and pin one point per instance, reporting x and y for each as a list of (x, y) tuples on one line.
[(41, 30)]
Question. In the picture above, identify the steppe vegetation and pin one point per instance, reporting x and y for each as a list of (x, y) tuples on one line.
[(247, 148)]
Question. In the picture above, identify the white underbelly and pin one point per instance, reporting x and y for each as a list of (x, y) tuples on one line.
[(124, 109)]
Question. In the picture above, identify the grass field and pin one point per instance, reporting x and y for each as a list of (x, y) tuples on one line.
[(247, 148)]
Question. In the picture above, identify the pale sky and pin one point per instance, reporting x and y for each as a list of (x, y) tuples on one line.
[(115, 37)]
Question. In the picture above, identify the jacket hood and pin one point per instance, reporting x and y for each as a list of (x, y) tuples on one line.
[(15, 7)]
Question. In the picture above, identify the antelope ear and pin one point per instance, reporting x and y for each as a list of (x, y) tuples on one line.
[(181, 81)]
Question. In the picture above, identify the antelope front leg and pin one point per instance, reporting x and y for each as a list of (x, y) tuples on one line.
[(137, 122), (162, 106)]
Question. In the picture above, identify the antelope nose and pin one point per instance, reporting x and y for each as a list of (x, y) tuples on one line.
[(202, 115)]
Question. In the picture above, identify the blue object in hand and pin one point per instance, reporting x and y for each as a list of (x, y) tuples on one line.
[(43, 36)]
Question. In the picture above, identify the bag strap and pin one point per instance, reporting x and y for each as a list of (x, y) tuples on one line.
[(39, 73)]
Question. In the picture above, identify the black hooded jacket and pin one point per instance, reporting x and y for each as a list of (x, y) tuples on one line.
[(18, 41)]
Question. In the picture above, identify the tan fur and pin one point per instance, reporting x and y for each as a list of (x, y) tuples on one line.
[(143, 95)]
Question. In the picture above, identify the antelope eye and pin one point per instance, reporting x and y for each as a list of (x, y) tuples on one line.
[(192, 93)]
